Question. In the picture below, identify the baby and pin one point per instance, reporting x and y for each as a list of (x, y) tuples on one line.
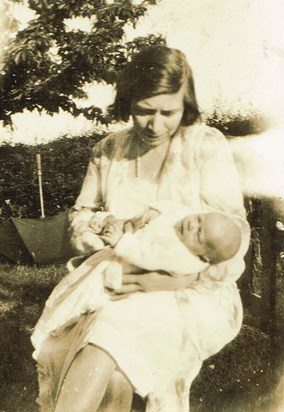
[(177, 242), (173, 241)]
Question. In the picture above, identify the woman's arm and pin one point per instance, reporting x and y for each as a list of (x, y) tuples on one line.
[(150, 282), (219, 180), (89, 201), (220, 190)]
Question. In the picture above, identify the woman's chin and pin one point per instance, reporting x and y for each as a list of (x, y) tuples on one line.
[(154, 140)]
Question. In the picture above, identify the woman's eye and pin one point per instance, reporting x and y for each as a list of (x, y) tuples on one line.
[(168, 113), (137, 111)]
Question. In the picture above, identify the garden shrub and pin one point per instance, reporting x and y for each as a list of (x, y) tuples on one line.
[(64, 163)]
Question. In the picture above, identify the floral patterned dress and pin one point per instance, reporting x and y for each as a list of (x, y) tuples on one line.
[(158, 339)]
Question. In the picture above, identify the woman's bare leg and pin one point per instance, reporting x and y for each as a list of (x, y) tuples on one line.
[(86, 381), (118, 396)]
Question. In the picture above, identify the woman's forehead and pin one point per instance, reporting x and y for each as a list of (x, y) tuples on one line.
[(162, 101)]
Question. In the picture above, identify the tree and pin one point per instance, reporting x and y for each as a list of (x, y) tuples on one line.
[(48, 65)]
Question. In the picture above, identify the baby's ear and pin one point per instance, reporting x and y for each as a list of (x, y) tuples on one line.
[(204, 258)]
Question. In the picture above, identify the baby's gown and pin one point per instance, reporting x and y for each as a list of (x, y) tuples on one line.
[(158, 339), (154, 247)]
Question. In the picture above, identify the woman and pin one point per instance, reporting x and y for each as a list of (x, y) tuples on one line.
[(159, 349)]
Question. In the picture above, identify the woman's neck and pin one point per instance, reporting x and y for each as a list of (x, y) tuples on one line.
[(150, 160)]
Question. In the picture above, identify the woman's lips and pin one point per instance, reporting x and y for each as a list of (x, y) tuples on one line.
[(153, 136)]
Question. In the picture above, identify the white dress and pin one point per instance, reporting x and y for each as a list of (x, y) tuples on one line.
[(153, 247), (161, 342)]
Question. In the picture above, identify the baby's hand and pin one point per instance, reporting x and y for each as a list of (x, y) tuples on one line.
[(96, 224), (88, 242), (112, 230)]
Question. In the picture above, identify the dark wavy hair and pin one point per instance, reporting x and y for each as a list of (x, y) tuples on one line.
[(156, 70)]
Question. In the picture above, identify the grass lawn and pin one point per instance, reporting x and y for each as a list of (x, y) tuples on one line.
[(23, 291), (243, 377)]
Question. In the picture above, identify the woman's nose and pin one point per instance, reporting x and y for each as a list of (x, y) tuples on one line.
[(156, 123)]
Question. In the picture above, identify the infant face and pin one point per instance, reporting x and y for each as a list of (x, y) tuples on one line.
[(191, 230), (211, 236)]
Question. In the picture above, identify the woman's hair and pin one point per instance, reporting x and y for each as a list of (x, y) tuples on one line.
[(156, 70)]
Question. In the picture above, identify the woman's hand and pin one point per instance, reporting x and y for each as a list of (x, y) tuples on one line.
[(149, 282)]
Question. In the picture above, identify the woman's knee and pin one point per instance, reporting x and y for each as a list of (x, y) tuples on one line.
[(93, 355), (86, 380), (119, 394)]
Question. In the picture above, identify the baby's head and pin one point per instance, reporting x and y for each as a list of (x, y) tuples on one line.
[(213, 237)]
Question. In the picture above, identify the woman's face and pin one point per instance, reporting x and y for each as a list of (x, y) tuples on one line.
[(157, 118)]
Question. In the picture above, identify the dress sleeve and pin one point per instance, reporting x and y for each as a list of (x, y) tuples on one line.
[(220, 190), (219, 180), (89, 202)]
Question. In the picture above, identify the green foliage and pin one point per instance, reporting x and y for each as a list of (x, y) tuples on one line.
[(47, 64), (64, 163), (238, 125)]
